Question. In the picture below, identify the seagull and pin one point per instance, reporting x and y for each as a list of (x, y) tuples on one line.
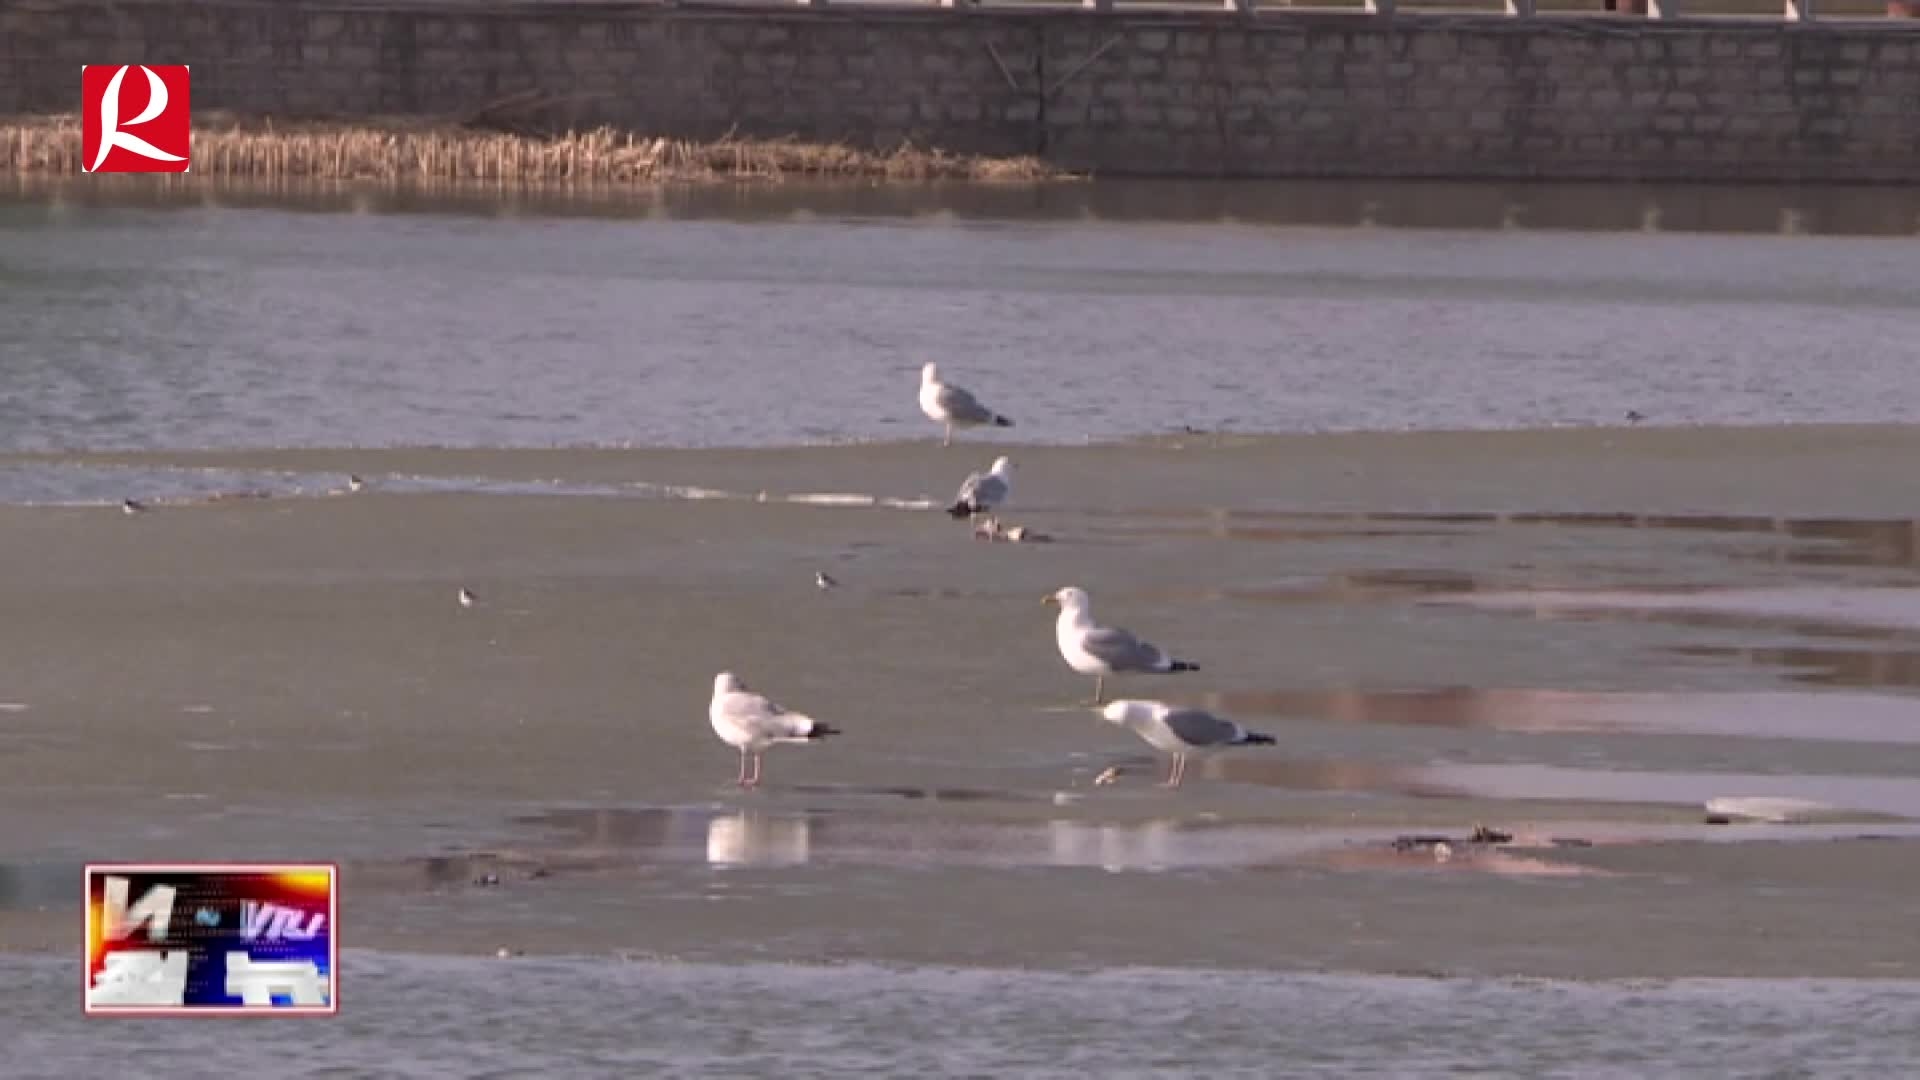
[(467, 599), (950, 405), (751, 723), (1103, 650), (354, 483), (823, 581), (132, 506), (984, 492), (1180, 731)]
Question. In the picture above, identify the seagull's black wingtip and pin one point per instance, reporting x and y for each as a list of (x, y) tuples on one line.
[(959, 509), (1254, 738), (1001, 421), (821, 731), (1184, 665)]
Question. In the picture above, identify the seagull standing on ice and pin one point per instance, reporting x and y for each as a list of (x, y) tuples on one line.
[(751, 723), (1180, 731), (132, 506), (824, 581), (467, 599), (984, 492), (1103, 650), (947, 404)]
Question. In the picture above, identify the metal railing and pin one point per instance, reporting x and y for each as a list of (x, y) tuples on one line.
[(1790, 10)]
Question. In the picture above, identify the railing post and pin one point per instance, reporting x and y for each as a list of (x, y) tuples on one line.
[(1097, 5), (1523, 8), (943, 3), (1800, 10), (1663, 9), (1243, 6), (1380, 7)]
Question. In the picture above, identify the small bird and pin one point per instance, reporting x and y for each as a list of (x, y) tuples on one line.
[(1180, 732), (1103, 650), (467, 597), (952, 406), (1634, 416), (824, 581), (751, 723), (132, 506), (982, 493), (354, 483)]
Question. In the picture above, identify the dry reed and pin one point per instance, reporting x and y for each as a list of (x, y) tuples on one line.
[(397, 151)]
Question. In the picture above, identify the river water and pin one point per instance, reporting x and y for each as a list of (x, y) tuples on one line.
[(789, 318), (470, 1017), (205, 318)]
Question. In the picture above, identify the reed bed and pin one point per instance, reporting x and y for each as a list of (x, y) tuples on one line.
[(400, 151)]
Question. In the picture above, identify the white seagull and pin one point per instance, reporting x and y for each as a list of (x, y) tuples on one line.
[(824, 581), (467, 598), (1103, 650), (982, 493), (947, 404), (751, 723), (1180, 731), (132, 506)]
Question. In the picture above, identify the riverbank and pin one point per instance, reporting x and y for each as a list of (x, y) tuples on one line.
[(1135, 92), (429, 151)]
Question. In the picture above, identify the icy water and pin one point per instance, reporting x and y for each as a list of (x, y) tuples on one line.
[(787, 317), (948, 892)]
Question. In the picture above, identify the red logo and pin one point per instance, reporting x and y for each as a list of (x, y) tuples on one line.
[(135, 118)]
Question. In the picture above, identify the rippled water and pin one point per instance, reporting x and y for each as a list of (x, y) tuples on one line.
[(471, 1017), (797, 319)]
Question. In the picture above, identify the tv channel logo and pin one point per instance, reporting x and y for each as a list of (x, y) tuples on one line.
[(199, 939), (135, 118)]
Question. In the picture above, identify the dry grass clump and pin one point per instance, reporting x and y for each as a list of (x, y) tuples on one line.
[(404, 151)]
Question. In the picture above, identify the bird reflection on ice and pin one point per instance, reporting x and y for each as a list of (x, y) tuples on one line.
[(1151, 845), (749, 839), (604, 837)]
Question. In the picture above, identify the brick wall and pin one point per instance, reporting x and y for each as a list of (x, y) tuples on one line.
[(1307, 94)]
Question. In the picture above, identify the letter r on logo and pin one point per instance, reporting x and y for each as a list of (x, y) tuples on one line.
[(135, 118)]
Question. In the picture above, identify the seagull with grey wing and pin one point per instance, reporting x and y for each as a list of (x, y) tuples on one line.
[(983, 493), (1101, 651), (953, 406), (1180, 732), (750, 723)]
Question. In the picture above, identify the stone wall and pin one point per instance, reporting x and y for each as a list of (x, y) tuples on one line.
[(1204, 94)]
